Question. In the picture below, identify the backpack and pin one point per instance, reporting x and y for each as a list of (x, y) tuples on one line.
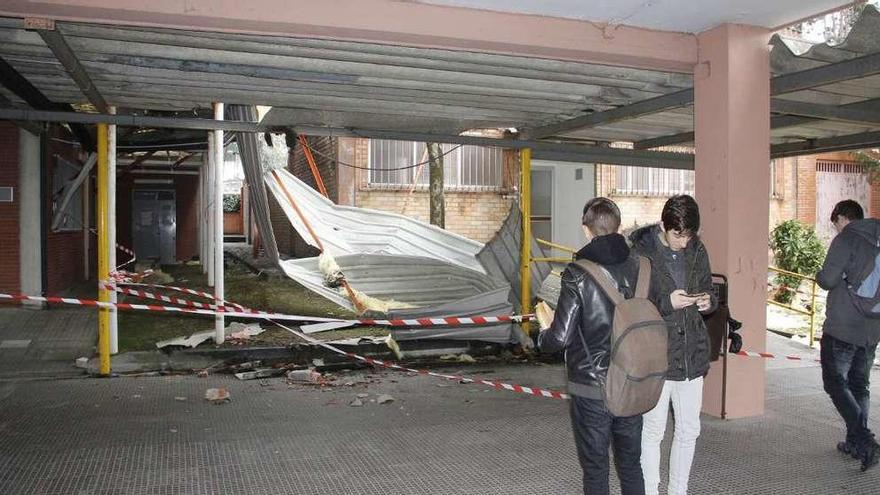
[(866, 297), (638, 359)]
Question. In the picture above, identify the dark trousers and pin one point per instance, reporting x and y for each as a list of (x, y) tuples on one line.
[(846, 371), (595, 429)]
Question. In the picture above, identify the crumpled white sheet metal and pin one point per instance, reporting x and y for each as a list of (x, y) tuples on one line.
[(415, 280), (351, 230), (393, 257)]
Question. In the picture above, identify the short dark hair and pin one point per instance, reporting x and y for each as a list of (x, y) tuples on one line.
[(682, 214), (601, 216), (849, 209)]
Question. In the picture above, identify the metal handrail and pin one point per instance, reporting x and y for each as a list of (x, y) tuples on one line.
[(814, 289)]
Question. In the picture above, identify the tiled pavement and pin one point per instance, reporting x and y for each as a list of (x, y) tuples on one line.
[(38, 343), (134, 436)]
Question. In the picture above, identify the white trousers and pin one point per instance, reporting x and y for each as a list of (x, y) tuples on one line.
[(687, 400)]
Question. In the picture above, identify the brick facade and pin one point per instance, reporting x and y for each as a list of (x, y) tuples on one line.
[(9, 236), (64, 249), (64, 256), (794, 198), (474, 214)]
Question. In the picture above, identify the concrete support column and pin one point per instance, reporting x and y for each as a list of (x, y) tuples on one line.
[(29, 211), (732, 126)]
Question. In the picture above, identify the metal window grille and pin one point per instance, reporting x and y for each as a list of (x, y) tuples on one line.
[(840, 167), (646, 181), (464, 167)]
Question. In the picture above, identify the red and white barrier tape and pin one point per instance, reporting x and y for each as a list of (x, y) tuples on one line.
[(122, 248), (253, 314), (142, 294), (420, 322), (769, 355)]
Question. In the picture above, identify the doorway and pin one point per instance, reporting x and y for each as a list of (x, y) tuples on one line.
[(154, 225)]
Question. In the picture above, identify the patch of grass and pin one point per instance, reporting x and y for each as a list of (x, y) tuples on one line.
[(141, 330)]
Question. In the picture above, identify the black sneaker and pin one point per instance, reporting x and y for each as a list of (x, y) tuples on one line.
[(870, 456), (848, 449)]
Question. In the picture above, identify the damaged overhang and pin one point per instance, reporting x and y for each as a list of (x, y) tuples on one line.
[(408, 268)]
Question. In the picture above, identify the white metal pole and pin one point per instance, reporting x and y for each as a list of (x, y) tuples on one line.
[(111, 227), (209, 210), (219, 160), (200, 231), (87, 233)]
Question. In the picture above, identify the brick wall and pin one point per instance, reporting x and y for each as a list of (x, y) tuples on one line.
[(473, 214), (9, 236), (806, 189), (64, 256), (476, 215)]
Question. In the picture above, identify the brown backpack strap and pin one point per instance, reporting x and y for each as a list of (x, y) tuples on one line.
[(601, 277), (644, 278)]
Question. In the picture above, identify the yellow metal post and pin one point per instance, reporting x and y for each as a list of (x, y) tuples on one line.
[(102, 215), (525, 204)]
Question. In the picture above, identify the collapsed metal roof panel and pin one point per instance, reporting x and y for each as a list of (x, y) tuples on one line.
[(349, 230)]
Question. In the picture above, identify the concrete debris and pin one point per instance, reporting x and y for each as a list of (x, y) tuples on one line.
[(461, 358), (217, 395), (356, 403), (260, 373), (202, 374), (191, 341), (82, 362), (363, 396), (305, 376), (384, 399), (235, 331), (158, 277), (318, 362), (395, 348), (326, 326), (240, 331)]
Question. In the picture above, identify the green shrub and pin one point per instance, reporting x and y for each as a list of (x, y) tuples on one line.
[(796, 249), (231, 203)]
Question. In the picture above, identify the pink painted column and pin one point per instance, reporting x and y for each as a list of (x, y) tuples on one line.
[(732, 125)]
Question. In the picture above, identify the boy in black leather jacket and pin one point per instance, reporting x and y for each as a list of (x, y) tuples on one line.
[(583, 318)]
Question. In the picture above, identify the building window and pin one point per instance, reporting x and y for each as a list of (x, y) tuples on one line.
[(464, 167), (646, 181), (66, 217), (776, 184)]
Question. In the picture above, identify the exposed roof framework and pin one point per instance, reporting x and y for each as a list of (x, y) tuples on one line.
[(826, 98)]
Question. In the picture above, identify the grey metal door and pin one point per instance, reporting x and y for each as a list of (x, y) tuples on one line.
[(154, 225)]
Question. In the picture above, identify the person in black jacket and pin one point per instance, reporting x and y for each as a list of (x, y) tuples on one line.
[(681, 288), (582, 327), (849, 339)]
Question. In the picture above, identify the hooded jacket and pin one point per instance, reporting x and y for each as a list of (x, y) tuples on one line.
[(584, 314), (849, 258), (688, 350)]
